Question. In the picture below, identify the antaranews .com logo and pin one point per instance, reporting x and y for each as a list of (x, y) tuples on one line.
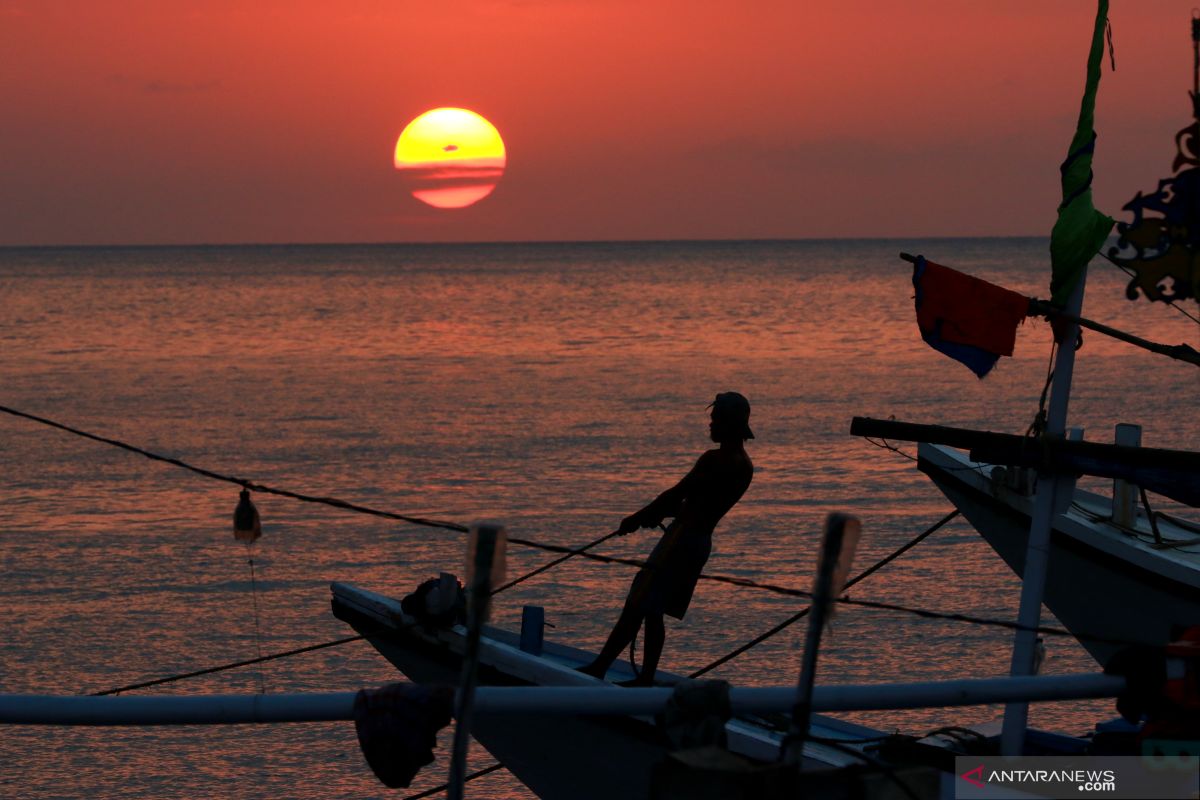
[(1089, 780), (1071, 777)]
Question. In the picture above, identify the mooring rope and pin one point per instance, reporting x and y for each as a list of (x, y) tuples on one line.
[(747, 583), (571, 554), (244, 483), (445, 786), (878, 565), (224, 667), (740, 582), (567, 552), (335, 642), (1133, 274)]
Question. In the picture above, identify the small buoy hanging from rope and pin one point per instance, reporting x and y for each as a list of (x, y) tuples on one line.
[(246, 525)]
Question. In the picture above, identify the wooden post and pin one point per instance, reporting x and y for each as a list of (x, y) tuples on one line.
[(841, 532), (486, 541)]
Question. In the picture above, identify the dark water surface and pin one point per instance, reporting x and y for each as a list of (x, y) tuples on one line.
[(555, 387)]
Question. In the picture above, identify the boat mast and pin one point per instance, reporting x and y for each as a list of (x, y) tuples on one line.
[(1051, 487), (1078, 235)]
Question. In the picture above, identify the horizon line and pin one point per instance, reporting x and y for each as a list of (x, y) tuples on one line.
[(488, 242)]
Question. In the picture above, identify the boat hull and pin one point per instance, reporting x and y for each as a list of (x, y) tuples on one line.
[(549, 754), (1109, 587), (556, 756)]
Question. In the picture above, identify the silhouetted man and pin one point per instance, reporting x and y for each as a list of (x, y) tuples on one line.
[(697, 503)]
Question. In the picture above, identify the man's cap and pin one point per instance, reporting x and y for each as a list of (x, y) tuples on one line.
[(734, 408)]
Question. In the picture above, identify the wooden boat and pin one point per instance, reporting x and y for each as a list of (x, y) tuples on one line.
[(1114, 575), (567, 753), (1105, 582), (559, 756)]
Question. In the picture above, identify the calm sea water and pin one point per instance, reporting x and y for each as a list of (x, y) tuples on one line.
[(554, 387)]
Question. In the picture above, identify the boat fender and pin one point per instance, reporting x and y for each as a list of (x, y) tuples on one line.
[(437, 603), (696, 713), (1145, 671), (1164, 689), (397, 727)]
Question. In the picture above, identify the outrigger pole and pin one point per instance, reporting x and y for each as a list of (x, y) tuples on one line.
[(34, 709)]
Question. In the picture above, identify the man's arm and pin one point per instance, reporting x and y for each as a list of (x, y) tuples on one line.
[(666, 504)]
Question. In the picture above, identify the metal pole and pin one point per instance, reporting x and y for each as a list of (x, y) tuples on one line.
[(18, 709), (1051, 488), (484, 537)]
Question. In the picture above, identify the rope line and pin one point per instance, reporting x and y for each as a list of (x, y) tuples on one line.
[(886, 445), (878, 565), (223, 667), (1132, 274), (445, 786), (247, 484), (244, 483), (747, 583), (334, 643), (571, 554), (567, 552)]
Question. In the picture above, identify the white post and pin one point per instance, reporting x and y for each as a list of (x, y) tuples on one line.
[(1037, 552), (1124, 501)]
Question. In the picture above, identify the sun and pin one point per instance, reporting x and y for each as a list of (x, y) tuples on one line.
[(451, 157)]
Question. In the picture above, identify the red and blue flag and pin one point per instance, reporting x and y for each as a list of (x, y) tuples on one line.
[(967, 318)]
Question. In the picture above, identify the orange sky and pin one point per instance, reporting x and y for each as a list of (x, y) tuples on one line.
[(187, 122)]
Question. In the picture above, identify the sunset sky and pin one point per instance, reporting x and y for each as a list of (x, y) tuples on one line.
[(206, 122)]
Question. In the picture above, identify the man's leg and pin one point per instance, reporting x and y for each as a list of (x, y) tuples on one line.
[(625, 629), (656, 637), (622, 634)]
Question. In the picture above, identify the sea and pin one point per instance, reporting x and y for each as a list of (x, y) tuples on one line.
[(552, 387)]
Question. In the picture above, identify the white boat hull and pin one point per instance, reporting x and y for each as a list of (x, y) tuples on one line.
[(1107, 585)]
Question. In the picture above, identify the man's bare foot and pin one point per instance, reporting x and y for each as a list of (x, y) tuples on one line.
[(641, 682), (593, 669)]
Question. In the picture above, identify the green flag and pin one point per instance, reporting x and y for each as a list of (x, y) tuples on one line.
[(1080, 230)]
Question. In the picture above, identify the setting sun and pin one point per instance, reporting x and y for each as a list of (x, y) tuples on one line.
[(451, 157)]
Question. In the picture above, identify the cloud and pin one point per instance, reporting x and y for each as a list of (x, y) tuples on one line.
[(169, 87), (157, 86)]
